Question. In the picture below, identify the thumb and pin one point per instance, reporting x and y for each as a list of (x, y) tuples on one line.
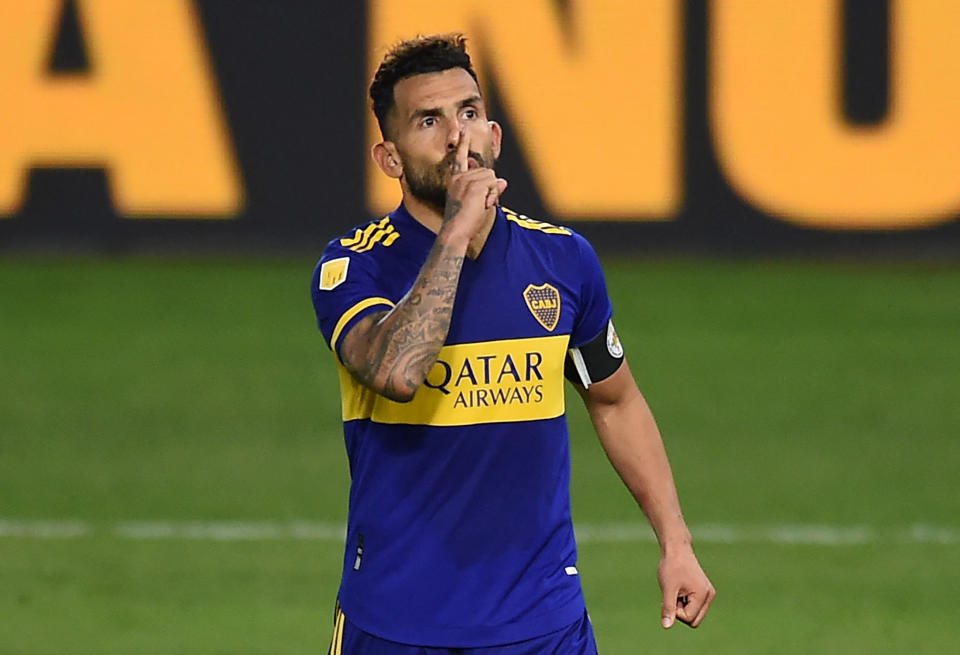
[(669, 610), (501, 184)]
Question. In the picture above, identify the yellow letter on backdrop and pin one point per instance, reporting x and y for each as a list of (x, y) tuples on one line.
[(596, 108), (777, 120), (147, 111)]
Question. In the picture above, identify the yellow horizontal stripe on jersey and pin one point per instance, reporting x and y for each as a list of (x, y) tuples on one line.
[(356, 400), (350, 313), (474, 383)]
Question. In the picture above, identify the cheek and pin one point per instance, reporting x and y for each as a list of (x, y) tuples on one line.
[(424, 150), (487, 141)]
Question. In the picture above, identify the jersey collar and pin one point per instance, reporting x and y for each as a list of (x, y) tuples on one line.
[(422, 234)]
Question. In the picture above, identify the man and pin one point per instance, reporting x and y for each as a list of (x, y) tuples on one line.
[(453, 321)]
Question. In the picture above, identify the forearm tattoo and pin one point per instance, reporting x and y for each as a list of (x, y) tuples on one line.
[(451, 210), (402, 345)]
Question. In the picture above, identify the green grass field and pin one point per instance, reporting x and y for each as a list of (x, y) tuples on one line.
[(790, 394)]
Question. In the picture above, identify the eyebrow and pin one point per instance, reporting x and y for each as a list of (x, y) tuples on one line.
[(436, 111)]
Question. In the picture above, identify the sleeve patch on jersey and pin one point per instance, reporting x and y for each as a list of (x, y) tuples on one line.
[(333, 273), (595, 361), (614, 347)]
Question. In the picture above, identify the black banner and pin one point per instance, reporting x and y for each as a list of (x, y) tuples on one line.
[(242, 125)]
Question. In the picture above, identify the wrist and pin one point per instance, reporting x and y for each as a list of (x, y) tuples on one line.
[(679, 542), (453, 237)]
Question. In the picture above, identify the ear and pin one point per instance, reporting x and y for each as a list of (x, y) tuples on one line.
[(388, 159), (497, 133)]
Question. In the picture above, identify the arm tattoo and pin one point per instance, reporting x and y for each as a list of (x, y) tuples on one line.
[(451, 210), (400, 347)]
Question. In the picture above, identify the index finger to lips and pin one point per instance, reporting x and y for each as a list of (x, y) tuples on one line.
[(463, 152)]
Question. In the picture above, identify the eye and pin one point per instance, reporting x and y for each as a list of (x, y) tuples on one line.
[(470, 113), (428, 121)]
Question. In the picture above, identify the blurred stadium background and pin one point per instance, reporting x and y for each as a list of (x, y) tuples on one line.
[(773, 188)]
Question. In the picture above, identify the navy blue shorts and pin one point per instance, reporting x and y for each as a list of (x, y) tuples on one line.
[(575, 639)]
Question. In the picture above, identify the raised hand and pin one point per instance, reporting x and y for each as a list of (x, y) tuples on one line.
[(473, 190)]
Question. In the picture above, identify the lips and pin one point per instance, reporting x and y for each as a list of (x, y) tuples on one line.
[(474, 160)]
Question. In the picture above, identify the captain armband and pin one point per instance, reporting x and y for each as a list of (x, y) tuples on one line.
[(596, 360)]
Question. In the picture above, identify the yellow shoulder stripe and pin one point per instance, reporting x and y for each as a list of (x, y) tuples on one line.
[(350, 313), (531, 224), (360, 236), (379, 232), (387, 235)]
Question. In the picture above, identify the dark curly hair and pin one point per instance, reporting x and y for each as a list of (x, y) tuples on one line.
[(423, 54)]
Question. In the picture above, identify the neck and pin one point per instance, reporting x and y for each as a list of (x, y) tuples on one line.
[(432, 218)]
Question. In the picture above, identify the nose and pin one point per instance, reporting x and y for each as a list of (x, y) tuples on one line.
[(453, 136)]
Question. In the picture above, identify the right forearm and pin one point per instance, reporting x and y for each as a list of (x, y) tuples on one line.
[(392, 354), (403, 345)]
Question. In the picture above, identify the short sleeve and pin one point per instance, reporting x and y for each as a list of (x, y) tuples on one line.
[(344, 289), (595, 308)]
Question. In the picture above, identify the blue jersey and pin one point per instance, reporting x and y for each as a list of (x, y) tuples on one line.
[(459, 529)]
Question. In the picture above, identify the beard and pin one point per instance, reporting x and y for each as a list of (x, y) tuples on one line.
[(428, 182)]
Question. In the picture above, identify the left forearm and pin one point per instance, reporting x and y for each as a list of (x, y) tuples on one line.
[(631, 439)]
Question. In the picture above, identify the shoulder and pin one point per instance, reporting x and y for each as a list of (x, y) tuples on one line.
[(521, 222), (375, 235), (362, 246), (363, 250), (561, 237)]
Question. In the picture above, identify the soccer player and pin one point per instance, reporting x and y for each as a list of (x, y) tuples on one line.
[(453, 322)]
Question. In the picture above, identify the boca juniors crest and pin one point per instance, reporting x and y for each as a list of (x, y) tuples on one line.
[(543, 301)]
